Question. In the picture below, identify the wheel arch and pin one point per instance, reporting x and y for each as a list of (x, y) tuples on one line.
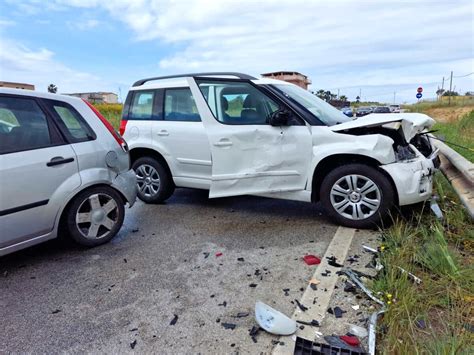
[(137, 153), (333, 161)]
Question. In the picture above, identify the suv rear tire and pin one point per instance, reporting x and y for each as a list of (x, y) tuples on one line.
[(155, 184), (357, 195), (95, 216)]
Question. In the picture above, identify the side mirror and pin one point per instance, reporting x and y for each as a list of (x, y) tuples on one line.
[(279, 118)]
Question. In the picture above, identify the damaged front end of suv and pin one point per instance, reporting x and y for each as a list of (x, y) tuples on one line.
[(414, 160)]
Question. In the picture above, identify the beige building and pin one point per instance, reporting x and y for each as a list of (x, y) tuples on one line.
[(97, 97), (290, 76), (13, 85)]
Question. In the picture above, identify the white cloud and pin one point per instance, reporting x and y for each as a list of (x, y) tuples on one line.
[(337, 43), (83, 25), (19, 63)]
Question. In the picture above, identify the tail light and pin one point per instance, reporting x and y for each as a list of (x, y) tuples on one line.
[(118, 138), (123, 125)]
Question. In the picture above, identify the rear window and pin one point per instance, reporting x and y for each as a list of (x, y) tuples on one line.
[(142, 105), (179, 105)]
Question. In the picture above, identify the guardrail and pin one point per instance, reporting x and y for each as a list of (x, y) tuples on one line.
[(460, 173)]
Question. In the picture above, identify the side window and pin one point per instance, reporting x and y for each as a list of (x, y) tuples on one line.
[(179, 105), (23, 125), (72, 123), (239, 103), (142, 105)]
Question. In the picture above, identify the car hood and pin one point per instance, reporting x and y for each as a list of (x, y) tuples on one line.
[(411, 123)]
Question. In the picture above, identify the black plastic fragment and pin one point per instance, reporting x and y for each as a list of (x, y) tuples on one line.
[(133, 344), (206, 255), (420, 323), (302, 307), (349, 287), (286, 290), (174, 320), (336, 311), (56, 311), (240, 259), (308, 347), (253, 285), (332, 260), (223, 304), (241, 315), (229, 326), (314, 287), (313, 323)]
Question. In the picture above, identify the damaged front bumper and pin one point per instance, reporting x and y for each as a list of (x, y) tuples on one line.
[(413, 178)]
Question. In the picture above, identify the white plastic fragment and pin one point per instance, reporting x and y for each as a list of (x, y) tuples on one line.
[(436, 210), (273, 321), (318, 334), (358, 331), (356, 307)]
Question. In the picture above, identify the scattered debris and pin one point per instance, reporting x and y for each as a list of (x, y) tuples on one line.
[(348, 287), (286, 290), (350, 273), (314, 287), (420, 323), (336, 311), (240, 259), (174, 320), (336, 341), (253, 333), (133, 330), (313, 323), (56, 311), (356, 307), (435, 209), (134, 230), (228, 326), (416, 279), (133, 344), (326, 273), (311, 260), (332, 260), (241, 315), (206, 255), (302, 307), (350, 340), (273, 321), (218, 254), (372, 330), (358, 331), (125, 260), (369, 249), (223, 304), (253, 285)]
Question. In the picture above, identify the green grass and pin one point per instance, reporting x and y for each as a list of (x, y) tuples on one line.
[(441, 254), (456, 101), (459, 133)]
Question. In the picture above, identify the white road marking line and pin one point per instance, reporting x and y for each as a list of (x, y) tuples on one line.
[(339, 247)]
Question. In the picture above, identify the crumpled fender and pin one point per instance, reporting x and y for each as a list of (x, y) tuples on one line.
[(327, 143)]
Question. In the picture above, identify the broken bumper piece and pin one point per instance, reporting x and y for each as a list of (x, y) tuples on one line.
[(413, 179)]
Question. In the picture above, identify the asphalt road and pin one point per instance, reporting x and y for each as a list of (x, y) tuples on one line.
[(58, 297)]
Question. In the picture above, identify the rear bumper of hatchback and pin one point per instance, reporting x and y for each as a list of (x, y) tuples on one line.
[(126, 183)]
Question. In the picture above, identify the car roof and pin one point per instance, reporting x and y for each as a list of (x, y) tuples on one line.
[(43, 95)]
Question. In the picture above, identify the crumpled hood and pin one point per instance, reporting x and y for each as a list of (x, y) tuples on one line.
[(411, 123)]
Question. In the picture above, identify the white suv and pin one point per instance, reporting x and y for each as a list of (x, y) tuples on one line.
[(233, 134)]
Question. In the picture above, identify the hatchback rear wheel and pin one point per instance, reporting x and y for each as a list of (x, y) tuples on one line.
[(95, 216), (357, 195)]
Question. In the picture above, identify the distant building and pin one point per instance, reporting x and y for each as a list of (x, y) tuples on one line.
[(97, 97), (12, 85), (290, 76)]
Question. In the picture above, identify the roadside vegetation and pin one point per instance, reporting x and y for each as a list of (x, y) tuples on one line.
[(112, 112), (436, 316)]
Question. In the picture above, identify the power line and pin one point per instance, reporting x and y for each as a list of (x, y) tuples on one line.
[(463, 76)]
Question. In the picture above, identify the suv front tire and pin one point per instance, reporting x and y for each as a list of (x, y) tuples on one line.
[(155, 184), (357, 195)]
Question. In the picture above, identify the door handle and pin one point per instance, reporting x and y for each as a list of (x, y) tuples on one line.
[(59, 160), (163, 132), (224, 142)]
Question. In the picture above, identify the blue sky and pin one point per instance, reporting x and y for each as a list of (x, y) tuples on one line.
[(377, 47)]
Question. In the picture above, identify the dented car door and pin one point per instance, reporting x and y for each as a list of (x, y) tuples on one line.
[(250, 156)]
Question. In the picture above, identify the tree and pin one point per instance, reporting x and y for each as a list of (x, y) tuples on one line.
[(440, 92), (52, 88), (469, 93), (321, 94), (357, 98), (451, 93), (343, 98)]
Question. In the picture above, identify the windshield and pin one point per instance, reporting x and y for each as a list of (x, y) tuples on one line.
[(321, 109)]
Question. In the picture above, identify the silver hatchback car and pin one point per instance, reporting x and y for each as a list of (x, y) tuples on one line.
[(62, 168)]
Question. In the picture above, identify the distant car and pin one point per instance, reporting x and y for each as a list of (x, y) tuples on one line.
[(395, 108), (347, 111), (62, 168), (382, 109), (363, 111)]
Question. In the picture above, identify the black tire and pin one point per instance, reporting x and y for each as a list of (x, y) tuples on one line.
[(82, 232), (365, 217), (152, 193)]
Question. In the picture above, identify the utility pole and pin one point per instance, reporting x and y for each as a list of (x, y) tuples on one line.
[(450, 87), (338, 94), (394, 94), (360, 94)]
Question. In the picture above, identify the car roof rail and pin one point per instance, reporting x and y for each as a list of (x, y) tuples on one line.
[(238, 75)]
